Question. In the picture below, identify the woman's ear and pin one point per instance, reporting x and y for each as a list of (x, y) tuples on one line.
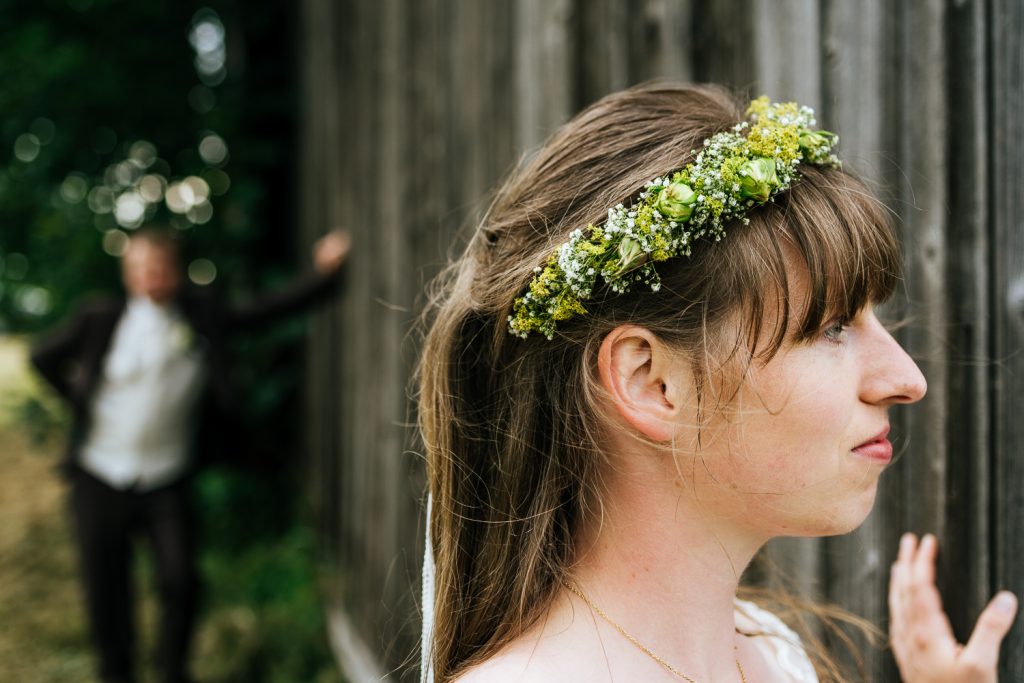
[(641, 376)]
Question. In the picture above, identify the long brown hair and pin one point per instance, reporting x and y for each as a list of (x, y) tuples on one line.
[(511, 426)]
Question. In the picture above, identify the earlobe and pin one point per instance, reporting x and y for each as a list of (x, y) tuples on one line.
[(635, 369)]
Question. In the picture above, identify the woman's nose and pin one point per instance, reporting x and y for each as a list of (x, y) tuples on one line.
[(891, 375)]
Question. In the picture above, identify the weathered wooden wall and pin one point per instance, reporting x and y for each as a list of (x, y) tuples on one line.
[(415, 108)]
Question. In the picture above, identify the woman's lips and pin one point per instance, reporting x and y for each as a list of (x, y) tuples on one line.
[(877, 449)]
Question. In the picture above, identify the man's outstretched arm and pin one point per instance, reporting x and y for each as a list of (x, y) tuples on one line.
[(329, 253)]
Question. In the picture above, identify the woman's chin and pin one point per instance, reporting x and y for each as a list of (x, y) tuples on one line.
[(850, 515), (833, 519)]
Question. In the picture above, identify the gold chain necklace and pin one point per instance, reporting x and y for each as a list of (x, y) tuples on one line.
[(643, 648)]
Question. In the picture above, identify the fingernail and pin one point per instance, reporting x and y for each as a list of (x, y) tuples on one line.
[(1006, 602)]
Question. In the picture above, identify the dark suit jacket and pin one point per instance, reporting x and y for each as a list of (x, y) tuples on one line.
[(71, 357)]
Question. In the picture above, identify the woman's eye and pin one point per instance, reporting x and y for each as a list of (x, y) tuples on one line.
[(835, 331)]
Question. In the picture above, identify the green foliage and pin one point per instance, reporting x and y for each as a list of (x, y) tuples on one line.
[(264, 621), (87, 86), (81, 83)]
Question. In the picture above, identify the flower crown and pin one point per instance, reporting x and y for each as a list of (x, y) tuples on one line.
[(737, 170)]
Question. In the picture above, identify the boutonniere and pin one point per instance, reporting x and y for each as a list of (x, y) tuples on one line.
[(183, 337)]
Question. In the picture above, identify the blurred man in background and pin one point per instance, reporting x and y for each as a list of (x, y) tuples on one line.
[(140, 374)]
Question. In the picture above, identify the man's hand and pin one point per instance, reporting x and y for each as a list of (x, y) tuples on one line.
[(922, 639), (330, 251)]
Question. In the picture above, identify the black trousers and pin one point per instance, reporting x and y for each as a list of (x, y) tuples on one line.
[(108, 521)]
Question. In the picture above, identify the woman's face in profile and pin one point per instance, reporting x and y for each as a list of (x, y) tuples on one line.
[(800, 449)]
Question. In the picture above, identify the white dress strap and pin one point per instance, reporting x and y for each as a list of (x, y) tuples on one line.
[(779, 642), (427, 604)]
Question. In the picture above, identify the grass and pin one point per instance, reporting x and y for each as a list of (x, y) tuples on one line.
[(43, 638)]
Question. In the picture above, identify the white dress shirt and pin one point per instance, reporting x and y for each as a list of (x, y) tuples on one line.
[(142, 419)]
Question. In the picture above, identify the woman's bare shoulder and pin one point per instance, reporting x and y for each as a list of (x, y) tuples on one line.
[(545, 656), (512, 667), (560, 647)]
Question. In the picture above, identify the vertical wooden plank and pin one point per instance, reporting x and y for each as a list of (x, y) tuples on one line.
[(1006, 133), (603, 49), (660, 40), (544, 46), (859, 48), (858, 84), (359, 111), (480, 65), (925, 222), (787, 50), (430, 221), (723, 37), (386, 391), (966, 561)]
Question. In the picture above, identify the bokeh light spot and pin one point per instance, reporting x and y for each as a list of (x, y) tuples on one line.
[(115, 242), (187, 194), (200, 213), (101, 199), (213, 149), (26, 147), (202, 271), (143, 153), (207, 39), (74, 188), (130, 209), (126, 173), (33, 300), (200, 190), (151, 187), (176, 199)]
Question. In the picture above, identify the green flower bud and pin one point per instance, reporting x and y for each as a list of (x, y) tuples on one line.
[(814, 142), (758, 179), (630, 255), (676, 202)]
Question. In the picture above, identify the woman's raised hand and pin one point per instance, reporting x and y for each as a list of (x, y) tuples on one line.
[(922, 639)]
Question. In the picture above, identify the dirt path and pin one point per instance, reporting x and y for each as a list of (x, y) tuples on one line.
[(42, 636)]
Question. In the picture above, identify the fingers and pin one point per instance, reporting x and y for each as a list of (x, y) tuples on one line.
[(921, 635), (898, 585), (898, 635), (931, 625), (982, 650), (923, 564)]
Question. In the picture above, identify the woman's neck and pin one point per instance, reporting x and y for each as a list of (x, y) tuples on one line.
[(667, 574)]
